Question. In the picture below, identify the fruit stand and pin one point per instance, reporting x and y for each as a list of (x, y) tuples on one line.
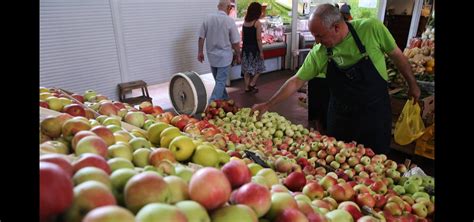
[(106, 159)]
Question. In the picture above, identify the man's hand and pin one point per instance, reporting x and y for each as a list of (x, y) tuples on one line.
[(262, 56), (237, 60), (414, 92), (200, 57), (261, 108)]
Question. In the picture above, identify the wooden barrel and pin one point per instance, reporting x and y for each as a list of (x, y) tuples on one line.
[(187, 93)]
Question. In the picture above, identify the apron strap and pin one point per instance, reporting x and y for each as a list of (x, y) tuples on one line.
[(356, 39)]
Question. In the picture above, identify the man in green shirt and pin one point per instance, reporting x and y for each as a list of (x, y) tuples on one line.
[(351, 57)]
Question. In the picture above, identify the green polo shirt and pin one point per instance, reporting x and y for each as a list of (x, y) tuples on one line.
[(373, 34)]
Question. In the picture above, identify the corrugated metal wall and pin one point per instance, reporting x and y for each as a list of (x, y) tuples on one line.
[(96, 44), (78, 50), (160, 37)]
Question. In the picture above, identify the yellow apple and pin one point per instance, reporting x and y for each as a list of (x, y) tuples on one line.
[(206, 155), (182, 147), (167, 135), (155, 130)]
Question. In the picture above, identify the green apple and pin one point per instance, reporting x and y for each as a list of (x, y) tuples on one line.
[(123, 136), (109, 214), (88, 94), (194, 211), (125, 144), (148, 124), (101, 118), (182, 147), (135, 118), (139, 142), (206, 155), (167, 135), (420, 209), (119, 179), (280, 202), (45, 95), (234, 213), (54, 103), (254, 168), (119, 163), (160, 212), (91, 174), (154, 132), (269, 175), (339, 216), (94, 123), (165, 167), (112, 121), (65, 101), (178, 188), (53, 146), (411, 186), (399, 189), (119, 150), (260, 180), (184, 173), (51, 126), (114, 128), (140, 157), (223, 157)]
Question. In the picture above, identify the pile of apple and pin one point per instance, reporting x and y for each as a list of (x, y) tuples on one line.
[(289, 148), (56, 100), (219, 108)]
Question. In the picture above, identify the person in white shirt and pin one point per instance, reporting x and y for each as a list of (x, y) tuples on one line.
[(221, 36)]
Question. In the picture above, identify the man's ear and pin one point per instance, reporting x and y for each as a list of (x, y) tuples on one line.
[(337, 27)]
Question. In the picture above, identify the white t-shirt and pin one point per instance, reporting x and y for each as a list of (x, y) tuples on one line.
[(220, 33)]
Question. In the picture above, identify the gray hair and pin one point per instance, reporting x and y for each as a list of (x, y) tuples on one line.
[(223, 4), (328, 14)]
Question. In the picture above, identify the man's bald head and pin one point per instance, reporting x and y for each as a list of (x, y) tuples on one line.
[(328, 14), (327, 25)]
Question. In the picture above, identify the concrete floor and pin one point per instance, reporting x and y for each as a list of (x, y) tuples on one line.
[(268, 84)]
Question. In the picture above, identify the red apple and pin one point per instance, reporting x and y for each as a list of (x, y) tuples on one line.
[(119, 105), (253, 195), (108, 108), (105, 133), (295, 181), (283, 164), (209, 187), (78, 136), (337, 192), (91, 144), (145, 188), (237, 173), (74, 110), (90, 159), (352, 208), (59, 159), (56, 190), (44, 104), (291, 215), (160, 154), (313, 190), (365, 199)]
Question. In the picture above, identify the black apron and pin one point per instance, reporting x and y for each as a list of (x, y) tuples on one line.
[(359, 107)]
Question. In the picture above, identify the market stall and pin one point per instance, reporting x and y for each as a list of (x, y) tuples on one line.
[(104, 158)]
